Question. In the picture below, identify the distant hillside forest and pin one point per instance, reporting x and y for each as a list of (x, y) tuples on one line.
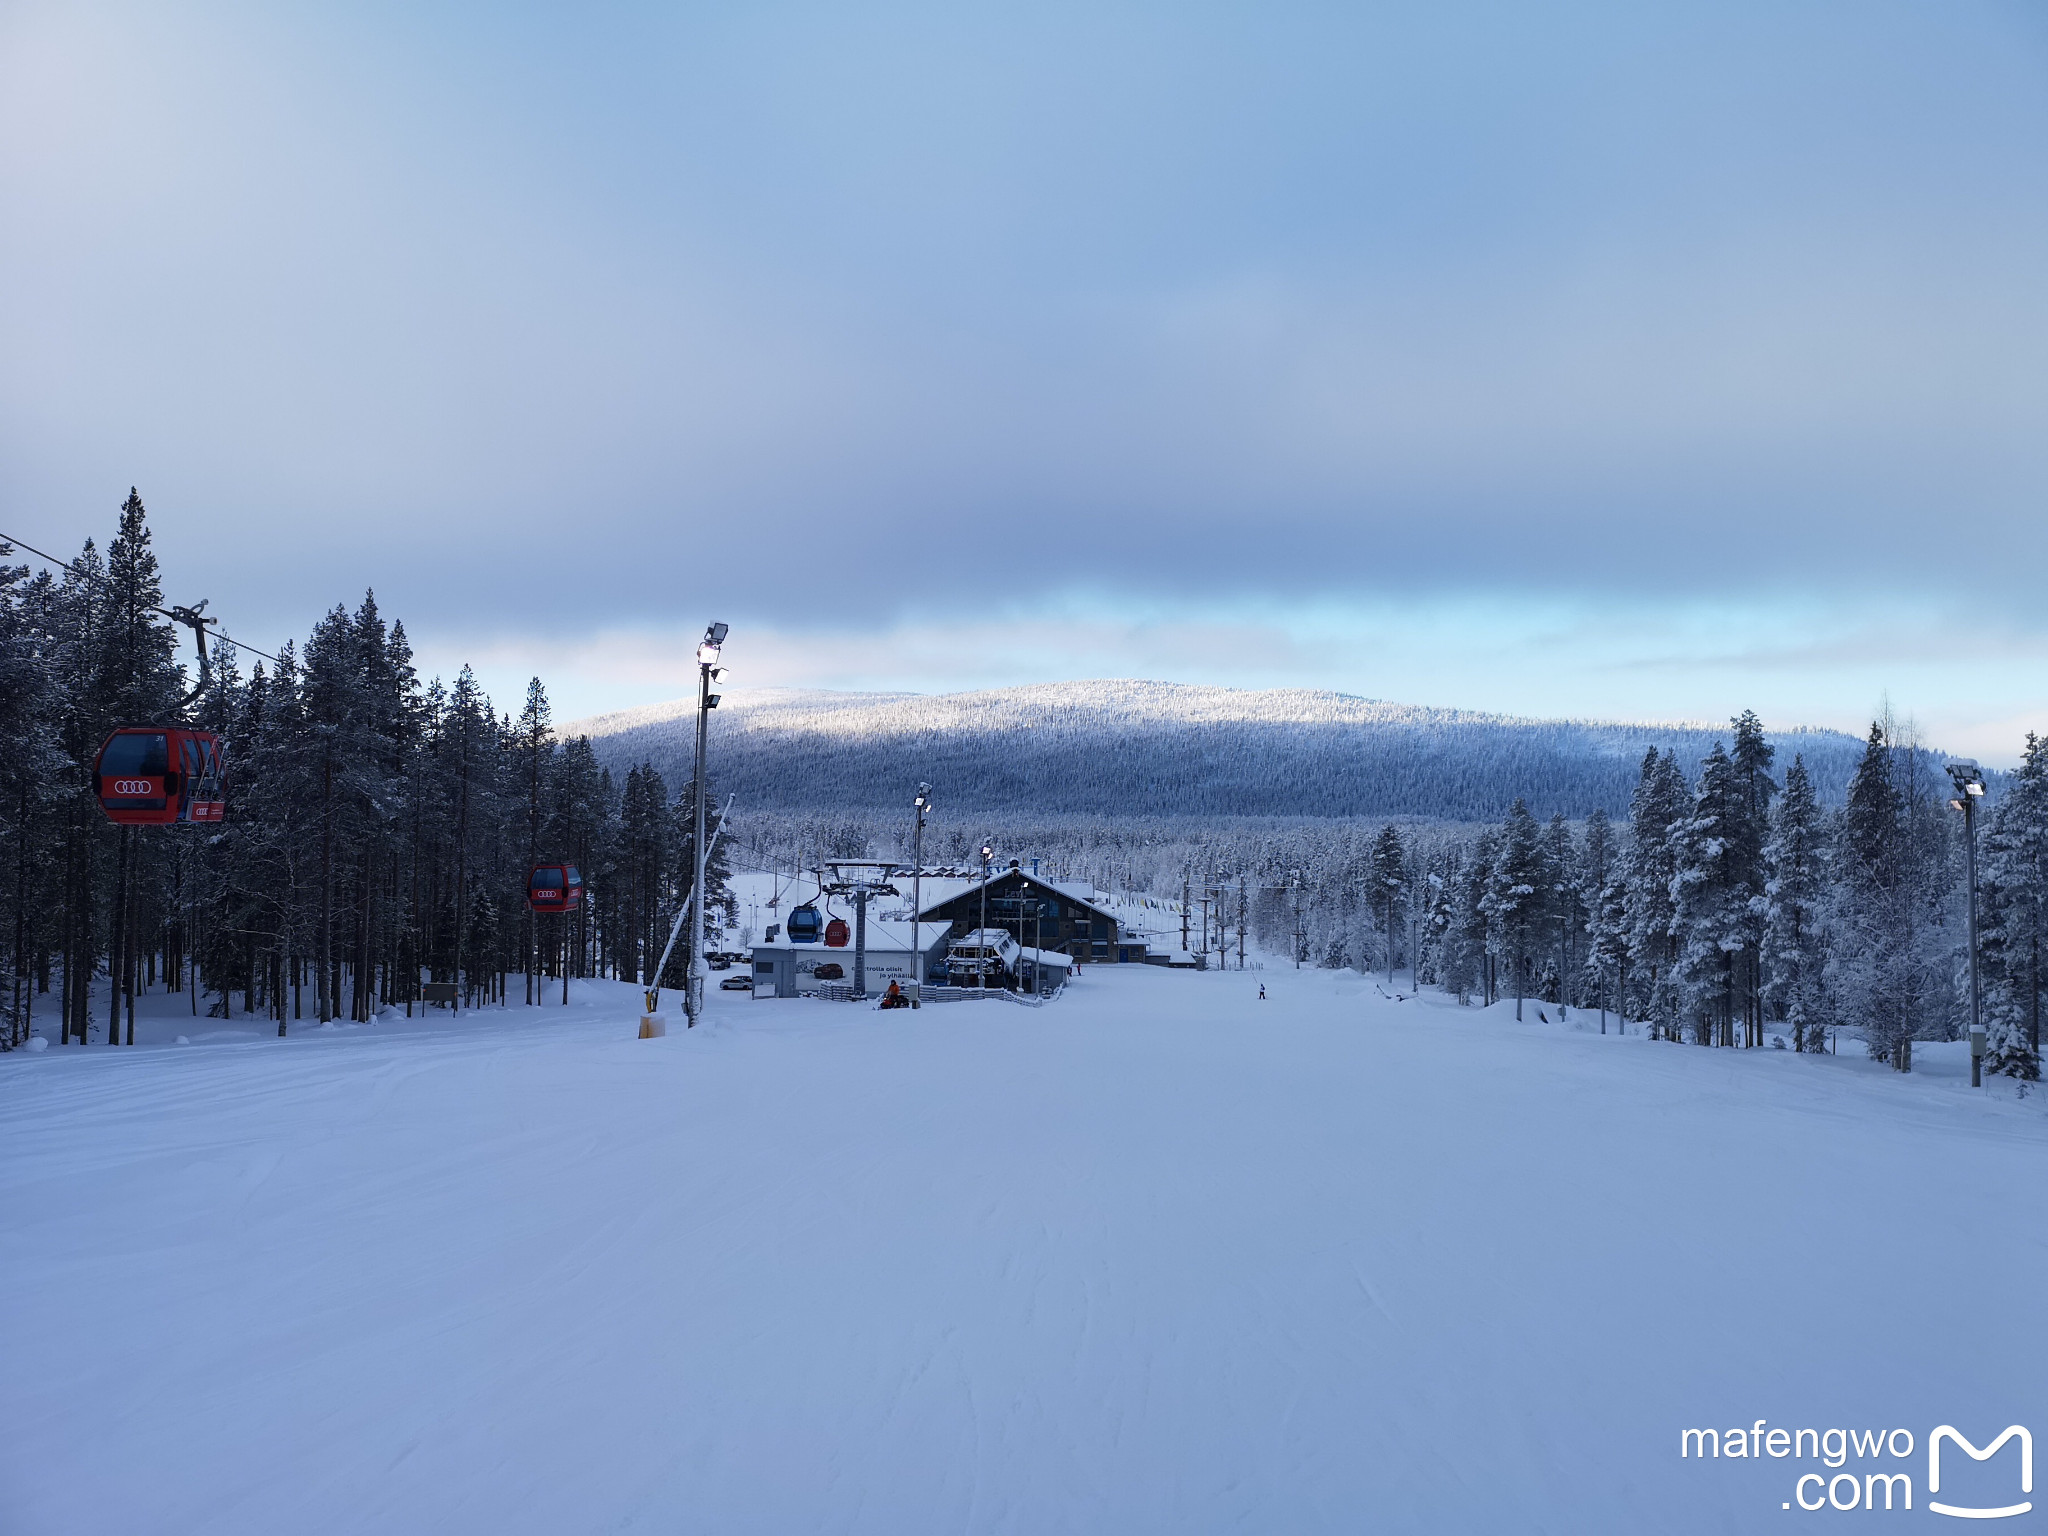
[(1124, 749)]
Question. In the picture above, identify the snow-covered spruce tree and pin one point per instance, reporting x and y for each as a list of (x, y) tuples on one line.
[(1567, 914), (1387, 876), (1870, 963), (1600, 900), (577, 831), (533, 744), (1517, 898), (134, 677), (1751, 757), (1475, 919), (646, 853), (1452, 961), (1794, 940), (2012, 912), (1709, 901), (1660, 802)]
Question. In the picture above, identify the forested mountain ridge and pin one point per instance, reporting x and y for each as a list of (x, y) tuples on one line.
[(1128, 748)]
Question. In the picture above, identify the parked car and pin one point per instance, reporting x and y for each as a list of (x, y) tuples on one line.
[(737, 984), (717, 962)]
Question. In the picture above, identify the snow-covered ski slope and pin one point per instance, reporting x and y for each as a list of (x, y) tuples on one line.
[(1156, 1258), (1125, 748)]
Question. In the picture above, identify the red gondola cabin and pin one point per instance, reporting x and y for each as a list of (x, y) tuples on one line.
[(554, 888), (152, 776)]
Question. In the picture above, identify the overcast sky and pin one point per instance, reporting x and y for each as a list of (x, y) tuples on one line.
[(1627, 360)]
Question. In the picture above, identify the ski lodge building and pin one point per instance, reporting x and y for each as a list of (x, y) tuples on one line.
[(1037, 913), (784, 967)]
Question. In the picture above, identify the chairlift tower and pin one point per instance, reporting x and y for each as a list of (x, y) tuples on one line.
[(861, 879)]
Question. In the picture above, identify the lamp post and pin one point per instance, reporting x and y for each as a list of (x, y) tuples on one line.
[(1968, 779), (708, 672), (924, 805), (1027, 910), (981, 971)]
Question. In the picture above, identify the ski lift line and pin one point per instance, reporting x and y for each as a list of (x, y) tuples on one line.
[(170, 613)]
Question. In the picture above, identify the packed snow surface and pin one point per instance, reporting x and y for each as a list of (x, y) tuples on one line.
[(1158, 1257)]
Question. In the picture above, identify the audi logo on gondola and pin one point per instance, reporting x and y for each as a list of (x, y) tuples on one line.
[(134, 787)]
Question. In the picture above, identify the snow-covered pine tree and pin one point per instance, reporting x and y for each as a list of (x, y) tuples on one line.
[(646, 846), (1517, 897), (1567, 914), (1869, 961), (534, 742), (1710, 900), (136, 678), (1751, 757), (1660, 802), (1475, 921), (1450, 961), (2013, 911), (1794, 940), (1600, 900), (1387, 873)]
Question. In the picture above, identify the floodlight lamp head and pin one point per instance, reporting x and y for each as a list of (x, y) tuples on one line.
[(716, 634), (707, 655)]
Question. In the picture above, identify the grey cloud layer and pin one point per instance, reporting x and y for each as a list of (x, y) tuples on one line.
[(1192, 304)]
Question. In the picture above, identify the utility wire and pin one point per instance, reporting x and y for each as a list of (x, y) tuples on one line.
[(73, 567)]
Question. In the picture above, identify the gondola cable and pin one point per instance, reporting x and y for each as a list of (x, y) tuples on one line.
[(187, 616)]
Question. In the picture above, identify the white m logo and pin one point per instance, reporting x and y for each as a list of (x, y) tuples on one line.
[(1948, 1432)]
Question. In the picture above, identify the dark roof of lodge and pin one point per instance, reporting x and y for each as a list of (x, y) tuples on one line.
[(996, 877)]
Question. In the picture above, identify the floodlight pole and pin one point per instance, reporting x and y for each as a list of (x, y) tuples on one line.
[(1969, 783), (693, 985), (981, 965), (924, 804)]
